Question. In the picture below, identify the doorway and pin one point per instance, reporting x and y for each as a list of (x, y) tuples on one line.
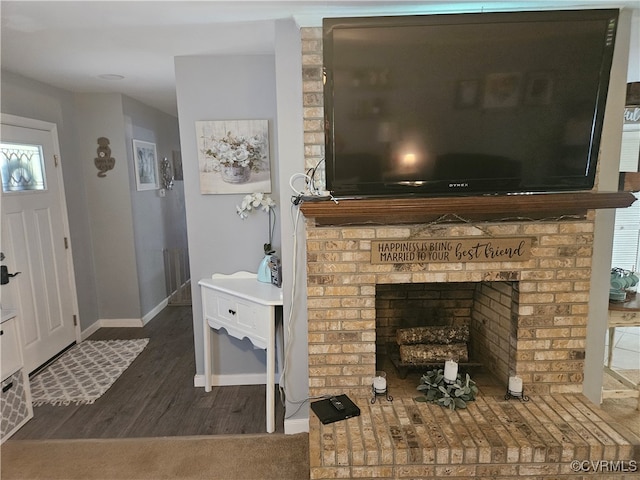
[(35, 240)]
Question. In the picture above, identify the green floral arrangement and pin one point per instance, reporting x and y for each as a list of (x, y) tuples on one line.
[(453, 395)]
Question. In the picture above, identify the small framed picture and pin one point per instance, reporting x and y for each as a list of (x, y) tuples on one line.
[(539, 89), (145, 165), (467, 93), (502, 90)]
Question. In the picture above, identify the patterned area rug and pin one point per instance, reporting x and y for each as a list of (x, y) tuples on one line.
[(82, 374)]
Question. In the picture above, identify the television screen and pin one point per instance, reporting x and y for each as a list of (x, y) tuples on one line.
[(485, 103)]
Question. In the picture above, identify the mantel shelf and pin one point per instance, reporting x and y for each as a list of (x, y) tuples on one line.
[(392, 211)]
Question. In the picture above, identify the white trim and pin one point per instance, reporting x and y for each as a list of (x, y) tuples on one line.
[(123, 322), (155, 311), (110, 323), (298, 425), (233, 379), (87, 332), (120, 322)]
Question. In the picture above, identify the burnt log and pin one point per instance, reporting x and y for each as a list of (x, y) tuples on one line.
[(444, 335), (433, 353)]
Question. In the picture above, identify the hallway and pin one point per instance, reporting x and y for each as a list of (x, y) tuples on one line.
[(155, 396)]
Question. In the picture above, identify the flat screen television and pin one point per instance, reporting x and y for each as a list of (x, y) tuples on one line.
[(455, 104)]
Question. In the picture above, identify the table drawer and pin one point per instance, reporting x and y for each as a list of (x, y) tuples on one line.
[(241, 318), (10, 348)]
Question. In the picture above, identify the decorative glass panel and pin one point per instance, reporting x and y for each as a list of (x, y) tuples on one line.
[(22, 167)]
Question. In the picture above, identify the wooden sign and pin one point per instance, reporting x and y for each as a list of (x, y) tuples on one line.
[(631, 115), (451, 250)]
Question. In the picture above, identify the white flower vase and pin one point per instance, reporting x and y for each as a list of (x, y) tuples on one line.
[(236, 174), (264, 272)]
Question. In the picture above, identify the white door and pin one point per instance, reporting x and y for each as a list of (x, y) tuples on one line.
[(35, 239)]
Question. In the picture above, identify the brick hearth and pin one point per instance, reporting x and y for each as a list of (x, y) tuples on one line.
[(544, 344), (492, 438)]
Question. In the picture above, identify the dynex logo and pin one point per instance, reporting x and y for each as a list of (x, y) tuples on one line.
[(458, 185)]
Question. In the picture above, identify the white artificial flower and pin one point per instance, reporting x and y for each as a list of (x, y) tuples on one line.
[(243, 214), (267, 204), (254, 201), (257, 199)]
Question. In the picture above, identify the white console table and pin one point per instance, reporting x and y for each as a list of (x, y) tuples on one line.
[(245, 308)]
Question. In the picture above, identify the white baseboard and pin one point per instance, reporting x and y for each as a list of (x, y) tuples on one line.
[(87, 332), (300, 425), (155, 311), (110, 323), (234, 379), (121, 322)]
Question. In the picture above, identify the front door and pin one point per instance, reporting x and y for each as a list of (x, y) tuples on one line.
[(35, 239)]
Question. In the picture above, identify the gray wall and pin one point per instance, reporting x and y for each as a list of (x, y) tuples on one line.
[(291, 158), (109, 204), (31, 99), (119, 272), (248, 87), (158, 222), (224, 87)]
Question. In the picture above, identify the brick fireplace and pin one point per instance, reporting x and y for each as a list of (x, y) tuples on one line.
[(539, 335), (547, 347)]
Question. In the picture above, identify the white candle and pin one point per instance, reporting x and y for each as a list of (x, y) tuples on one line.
[(515, 385), (380, 382), (450, 371)]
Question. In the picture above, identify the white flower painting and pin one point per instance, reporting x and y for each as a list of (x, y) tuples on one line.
[(233, 156)]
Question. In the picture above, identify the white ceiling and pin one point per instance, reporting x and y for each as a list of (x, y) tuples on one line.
[(69, 44)]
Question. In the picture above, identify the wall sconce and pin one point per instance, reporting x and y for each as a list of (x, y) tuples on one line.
[(167, 174), (104, 162)]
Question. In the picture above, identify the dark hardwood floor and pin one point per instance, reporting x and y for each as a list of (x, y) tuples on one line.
[(155, 396)]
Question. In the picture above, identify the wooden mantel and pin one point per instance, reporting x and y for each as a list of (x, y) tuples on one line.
[(475, 208)]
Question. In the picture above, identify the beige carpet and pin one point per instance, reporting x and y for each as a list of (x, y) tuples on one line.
[(234, 457)]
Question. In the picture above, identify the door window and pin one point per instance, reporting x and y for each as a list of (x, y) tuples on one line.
[(22, 167)]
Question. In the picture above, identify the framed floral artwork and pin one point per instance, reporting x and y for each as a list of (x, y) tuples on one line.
[(145, 165), (233, 156)]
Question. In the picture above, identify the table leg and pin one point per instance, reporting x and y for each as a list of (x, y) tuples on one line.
[(271, 376), (612, 334), (207, 356)]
